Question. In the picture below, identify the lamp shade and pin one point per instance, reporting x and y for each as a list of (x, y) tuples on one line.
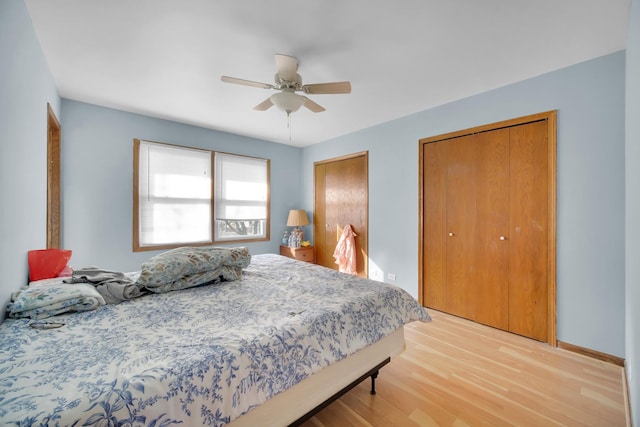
[(287, 101), (297, 217)]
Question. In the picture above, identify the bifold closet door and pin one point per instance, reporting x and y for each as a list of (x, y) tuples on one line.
[(487, 225), (461, 226), (449, 182), (466, 220), (528, 268), (492, 235), (434, 232)]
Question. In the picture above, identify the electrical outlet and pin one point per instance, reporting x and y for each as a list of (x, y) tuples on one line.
[(391, 276)]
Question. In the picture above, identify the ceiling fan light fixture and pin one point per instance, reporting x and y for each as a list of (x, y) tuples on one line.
[(286, 101), (288, 82)]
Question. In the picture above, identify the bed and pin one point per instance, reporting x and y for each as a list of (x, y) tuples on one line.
[(264, 349)]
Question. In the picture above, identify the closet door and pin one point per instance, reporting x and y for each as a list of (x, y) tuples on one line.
[(466, 223), (487, 225), (528, 275), (451, 234), (434, 272), (492, 236), (461, 226), (341, 198)]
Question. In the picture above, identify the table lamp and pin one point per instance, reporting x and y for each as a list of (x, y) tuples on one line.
[(297, 218)]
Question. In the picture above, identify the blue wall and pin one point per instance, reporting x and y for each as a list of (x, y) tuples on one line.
[(26, 86), (633, 210), (97, 180), (590, 100)]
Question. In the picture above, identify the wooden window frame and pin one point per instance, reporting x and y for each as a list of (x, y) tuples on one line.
[(137, 247)]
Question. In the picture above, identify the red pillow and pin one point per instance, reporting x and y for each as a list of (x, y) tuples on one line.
[(47, 263)]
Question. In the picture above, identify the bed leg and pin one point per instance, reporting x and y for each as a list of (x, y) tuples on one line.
[(373, 382), (373, 373)]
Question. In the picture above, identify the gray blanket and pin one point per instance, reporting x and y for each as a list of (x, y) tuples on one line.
[(114, 286)]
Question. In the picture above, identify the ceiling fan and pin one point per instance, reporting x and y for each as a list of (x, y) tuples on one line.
[(288, 82)]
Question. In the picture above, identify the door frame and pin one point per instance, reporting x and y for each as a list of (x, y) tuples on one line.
[(53, 179), (550, 117)]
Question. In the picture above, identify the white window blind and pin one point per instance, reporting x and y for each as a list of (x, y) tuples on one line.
[(241, 197), (174, 192)]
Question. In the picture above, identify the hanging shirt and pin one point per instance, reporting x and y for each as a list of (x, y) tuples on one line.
[(345, 252)]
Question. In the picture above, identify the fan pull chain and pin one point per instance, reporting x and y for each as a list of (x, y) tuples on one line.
[(289, 125)]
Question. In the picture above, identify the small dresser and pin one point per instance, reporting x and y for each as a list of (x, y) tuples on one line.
[(303, 253)]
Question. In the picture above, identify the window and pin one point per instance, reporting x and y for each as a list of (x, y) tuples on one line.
[(241, 195), (176, 202)]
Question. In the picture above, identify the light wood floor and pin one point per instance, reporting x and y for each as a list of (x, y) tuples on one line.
[(459, 373)]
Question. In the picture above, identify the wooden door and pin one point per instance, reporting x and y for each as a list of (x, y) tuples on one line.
[(466, 210), (341, 198), (461, 226), (492, 237), (528, 275), (434, 272), (323, 257), (490, 191)]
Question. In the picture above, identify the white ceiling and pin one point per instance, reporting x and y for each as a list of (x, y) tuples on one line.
[(164, 58)]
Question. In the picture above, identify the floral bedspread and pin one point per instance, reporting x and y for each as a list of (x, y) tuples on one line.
[(198, 356)]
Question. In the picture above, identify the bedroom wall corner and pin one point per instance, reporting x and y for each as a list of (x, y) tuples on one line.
[(632, 206), (26, 85)]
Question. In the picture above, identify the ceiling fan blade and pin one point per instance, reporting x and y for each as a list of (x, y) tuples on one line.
[(264, 105), (234, 80), (287, 67), (320, 88), (316, 108)]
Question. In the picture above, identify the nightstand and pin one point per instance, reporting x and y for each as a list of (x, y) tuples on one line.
[(303, 253)]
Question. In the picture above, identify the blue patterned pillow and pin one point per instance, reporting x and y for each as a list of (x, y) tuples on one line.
[(187, 267)]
